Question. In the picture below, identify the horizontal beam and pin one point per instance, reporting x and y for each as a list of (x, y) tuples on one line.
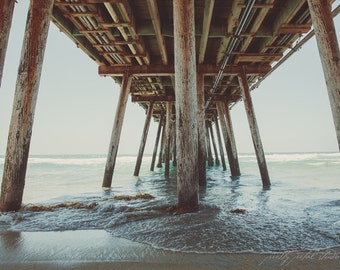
[(168, 70), (163, 98)]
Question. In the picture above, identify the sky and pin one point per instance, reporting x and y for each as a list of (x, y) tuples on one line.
[(76, 107)]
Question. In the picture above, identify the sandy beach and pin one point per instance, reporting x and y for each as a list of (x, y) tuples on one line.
[(98, 249)]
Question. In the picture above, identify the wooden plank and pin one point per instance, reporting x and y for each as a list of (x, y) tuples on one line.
[(258, 57), (143, 139), (186, 104), (169, 70), (294, 28), (6, 14), (26, 92), (116, 130), (255, 134)]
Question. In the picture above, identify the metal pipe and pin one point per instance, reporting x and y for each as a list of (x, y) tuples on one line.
[(231, 46)]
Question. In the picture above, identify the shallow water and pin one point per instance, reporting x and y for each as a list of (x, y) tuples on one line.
[(301, 210)]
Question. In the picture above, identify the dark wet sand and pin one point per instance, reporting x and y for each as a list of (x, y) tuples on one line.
[(99, 250)]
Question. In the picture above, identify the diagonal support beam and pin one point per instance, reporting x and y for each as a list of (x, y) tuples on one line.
[(116, 130), (26, 93), (255, 134), (6, 14)]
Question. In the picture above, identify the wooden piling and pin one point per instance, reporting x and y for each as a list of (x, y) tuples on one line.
[(161, 150), (219, 139), (25, 98), (174, 155), (6, 15), (154, 154), (233, 163), (231, 137), (143, 140), (323, 24), (208, 149), (255, 134), (202, 156), (217, 161), (116, 130), (167, 139), (186, 103)]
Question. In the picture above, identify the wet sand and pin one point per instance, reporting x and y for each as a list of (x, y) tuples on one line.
[(97, 249)]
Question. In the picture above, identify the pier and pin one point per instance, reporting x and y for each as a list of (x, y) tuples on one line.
[(185, 62)]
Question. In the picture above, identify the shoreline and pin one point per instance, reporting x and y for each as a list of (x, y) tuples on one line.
[(98, 249)]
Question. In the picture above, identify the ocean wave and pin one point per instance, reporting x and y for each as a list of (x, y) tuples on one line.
[(303, 157), (67, 161)]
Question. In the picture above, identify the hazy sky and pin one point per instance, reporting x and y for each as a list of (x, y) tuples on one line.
[(76, 107)]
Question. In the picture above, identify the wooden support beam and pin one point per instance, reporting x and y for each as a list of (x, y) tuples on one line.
[(220, 144), (217, 161), (161, 150), (202, 173), (143, 140), (233, 164), (69, 29), (156, 142), (209, 152), (320, 11), (231, 137), (208, 11), (169, 70), (186, 103), (156, 21), (6, 14), (261, 160), (174, 155), (116, 130), (294, 28), (27, 86), (167, 139)]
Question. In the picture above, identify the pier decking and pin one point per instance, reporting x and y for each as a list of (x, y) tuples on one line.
[(186, 63)]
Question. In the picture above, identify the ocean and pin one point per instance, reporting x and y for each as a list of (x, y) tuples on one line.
[(300, 211)]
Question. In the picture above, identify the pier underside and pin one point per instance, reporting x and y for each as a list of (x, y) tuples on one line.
[(186, 63)]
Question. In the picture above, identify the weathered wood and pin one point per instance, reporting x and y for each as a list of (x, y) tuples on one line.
[(143, 140), (161, 150), (234, 169), (156, 21), (209, 152), (217, 161), (116, 130), (167, 139), (156, 143), (25, 98), (208, 11), (202, 172), (169, 70), (6, 14), (186, 103), (231, 137), (174, 155), (320, 11), (220, 144), (255, 134)]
